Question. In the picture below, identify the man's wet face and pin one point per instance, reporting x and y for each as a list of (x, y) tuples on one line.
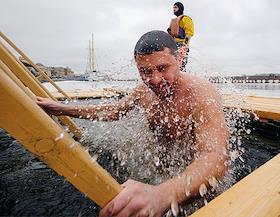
[(158, 71)]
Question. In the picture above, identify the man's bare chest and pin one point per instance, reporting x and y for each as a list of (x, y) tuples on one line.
[(171, 119)]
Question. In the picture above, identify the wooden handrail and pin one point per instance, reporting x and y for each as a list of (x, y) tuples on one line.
[(32, 127)]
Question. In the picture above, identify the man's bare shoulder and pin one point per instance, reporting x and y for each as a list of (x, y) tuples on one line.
[(205, 97), (202, 88)]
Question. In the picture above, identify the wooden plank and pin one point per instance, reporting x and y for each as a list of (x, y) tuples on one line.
[(98, 93), (32, 127), (256, 195), (264, 107)]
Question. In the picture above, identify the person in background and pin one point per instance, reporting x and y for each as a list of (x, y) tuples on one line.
[(181, 29)]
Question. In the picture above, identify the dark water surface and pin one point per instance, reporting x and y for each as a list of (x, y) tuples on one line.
[(29, 188)]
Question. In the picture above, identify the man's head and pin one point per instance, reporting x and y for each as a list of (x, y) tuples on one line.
[(154, 41), (156, 58), (178, 9)]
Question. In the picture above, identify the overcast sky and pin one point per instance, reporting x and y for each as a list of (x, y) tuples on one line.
[(232, 37)]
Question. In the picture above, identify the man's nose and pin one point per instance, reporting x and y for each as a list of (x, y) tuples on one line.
[(155, 78)]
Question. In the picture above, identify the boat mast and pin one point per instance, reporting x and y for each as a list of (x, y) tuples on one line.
[(92, 52), (91, 58)]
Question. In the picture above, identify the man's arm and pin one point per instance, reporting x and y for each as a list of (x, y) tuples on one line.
[(109, 112)]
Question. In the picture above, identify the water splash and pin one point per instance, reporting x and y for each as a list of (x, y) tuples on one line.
[(137, 153)]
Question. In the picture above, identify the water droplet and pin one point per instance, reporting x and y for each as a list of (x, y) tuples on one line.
[(201, 118), (174, 208), (189, 180), (239, 142), (188, 193), (72, 144), (156, 161), (177, 118), (169, 213), (205, 201), (213, 182), (202, 190), (233, 155), (242, 159), (61, 135), (94, 158)]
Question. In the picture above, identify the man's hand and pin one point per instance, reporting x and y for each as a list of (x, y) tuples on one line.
[(50, 106), (136, 199)]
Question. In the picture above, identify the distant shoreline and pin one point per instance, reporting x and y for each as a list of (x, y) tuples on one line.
[(85, 79)]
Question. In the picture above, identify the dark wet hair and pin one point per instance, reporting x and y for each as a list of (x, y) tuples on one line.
[(181, 9), (154, 41)]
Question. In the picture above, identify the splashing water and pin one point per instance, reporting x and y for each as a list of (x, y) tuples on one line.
[(136, 148), (137, 153)]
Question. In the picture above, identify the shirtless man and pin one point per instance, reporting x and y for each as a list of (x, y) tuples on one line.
[(174, 103)]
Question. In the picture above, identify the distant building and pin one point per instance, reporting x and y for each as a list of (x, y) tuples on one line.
[(56, 72), (52, 72)]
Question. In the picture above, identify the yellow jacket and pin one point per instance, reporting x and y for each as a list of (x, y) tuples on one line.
[(186, 30)]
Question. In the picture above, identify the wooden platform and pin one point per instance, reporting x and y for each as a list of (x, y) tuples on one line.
[(256, 195), (263, 107), (98, 93)]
